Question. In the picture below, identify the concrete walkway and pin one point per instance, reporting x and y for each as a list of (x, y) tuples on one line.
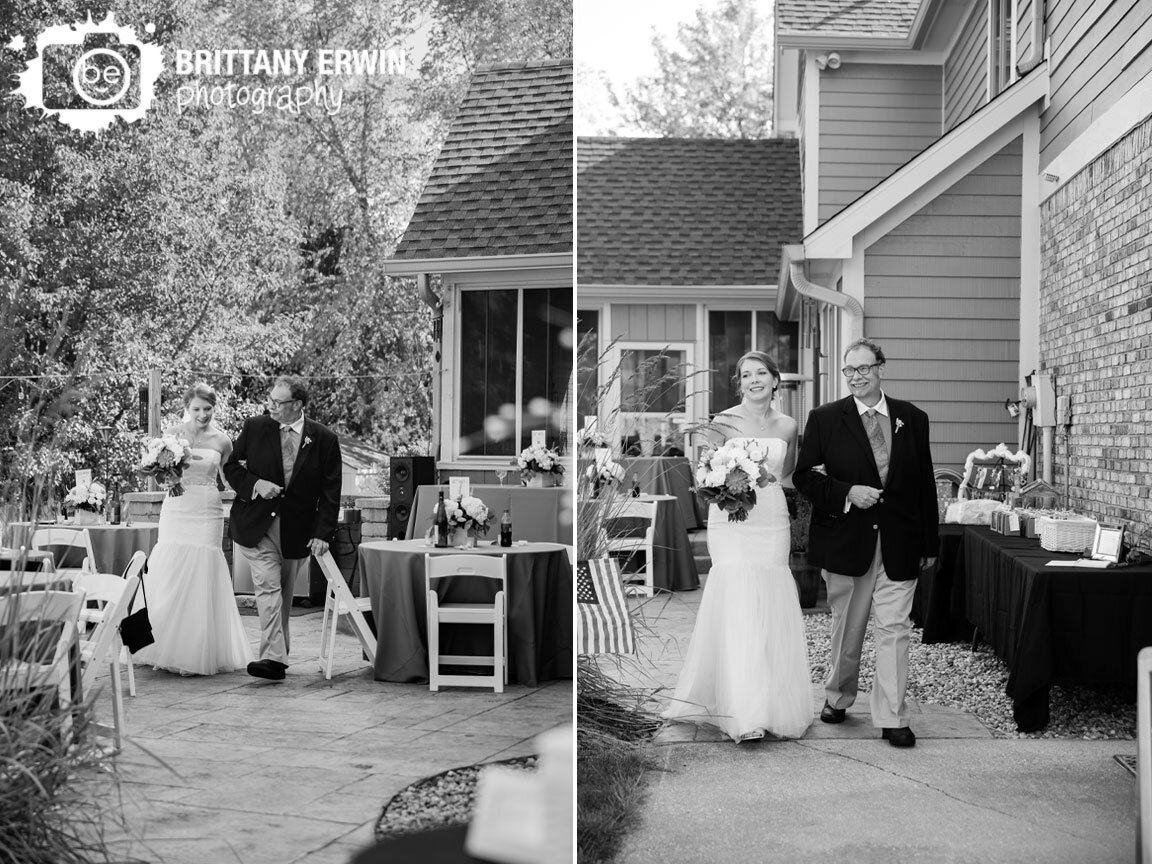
[(843, 794), (298, 771)]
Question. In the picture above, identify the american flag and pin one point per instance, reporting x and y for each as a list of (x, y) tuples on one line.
[(605, 627)]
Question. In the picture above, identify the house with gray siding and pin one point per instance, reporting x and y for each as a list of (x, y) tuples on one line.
[(678, 250), (490, 246), (975, 197)]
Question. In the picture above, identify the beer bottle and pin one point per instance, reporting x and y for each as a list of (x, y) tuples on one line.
[(440, 521)]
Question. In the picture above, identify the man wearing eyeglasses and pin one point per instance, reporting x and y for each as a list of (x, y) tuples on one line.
[(287, 472), (866, 465)]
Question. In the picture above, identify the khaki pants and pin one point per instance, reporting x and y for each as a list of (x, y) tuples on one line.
[(272, 580), (851, 600)]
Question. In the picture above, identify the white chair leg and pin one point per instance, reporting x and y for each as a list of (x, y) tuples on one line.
[(333, 626), (433, 645), (131, 671), (498, 679), (117, 705)]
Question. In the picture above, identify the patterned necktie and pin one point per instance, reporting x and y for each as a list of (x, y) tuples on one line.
[(288, 450), (876, 439)]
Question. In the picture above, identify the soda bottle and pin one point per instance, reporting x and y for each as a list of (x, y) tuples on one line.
[(506, 529), (635, 485)]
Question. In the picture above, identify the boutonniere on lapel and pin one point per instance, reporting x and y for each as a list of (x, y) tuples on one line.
[(899, 424), (308, 439)]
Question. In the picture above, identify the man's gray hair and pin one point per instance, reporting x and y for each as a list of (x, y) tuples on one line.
[(876, 350), (296, 387)]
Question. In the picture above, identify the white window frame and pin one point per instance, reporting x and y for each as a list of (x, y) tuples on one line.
[(691, 409)]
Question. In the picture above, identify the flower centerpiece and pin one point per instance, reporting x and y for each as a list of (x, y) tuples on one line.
[(540, 466), (728, 476), (469, 514), (86, 501), (165, 459), (591, 439), (605, 475)]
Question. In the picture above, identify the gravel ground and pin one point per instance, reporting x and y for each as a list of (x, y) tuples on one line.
[(950, 674), (439, 801)]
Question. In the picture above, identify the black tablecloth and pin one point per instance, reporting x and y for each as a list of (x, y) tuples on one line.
[(113, 545), (439, 846), (539, 603), (939, 605), (1054, 625), (666, 475)]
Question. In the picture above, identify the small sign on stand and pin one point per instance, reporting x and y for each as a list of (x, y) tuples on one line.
[(84, 477), (459, 487), (538, 438)]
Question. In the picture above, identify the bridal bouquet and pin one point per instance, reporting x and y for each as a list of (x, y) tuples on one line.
[(469, 513), (728, 477), (165, 459), (86, 496)]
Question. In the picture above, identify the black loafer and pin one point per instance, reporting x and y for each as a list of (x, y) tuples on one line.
[(833, 715), (901, 736), (269, 669)]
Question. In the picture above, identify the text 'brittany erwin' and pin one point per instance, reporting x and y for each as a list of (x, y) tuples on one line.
[(258, 61)]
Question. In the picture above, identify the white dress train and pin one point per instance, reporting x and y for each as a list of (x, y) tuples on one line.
[(747, 664), (191, 604)]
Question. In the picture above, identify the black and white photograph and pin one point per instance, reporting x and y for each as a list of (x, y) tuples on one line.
[(864, 349), (286, 417)]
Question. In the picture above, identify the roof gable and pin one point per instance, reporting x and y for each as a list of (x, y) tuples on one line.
[(502, 183), (677, 211), (877, 18)]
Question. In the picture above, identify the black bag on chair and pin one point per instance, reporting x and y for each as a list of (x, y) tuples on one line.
[(136, 629)]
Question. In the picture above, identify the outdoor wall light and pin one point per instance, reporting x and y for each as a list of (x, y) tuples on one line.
[(1012, 407), (831, 60)]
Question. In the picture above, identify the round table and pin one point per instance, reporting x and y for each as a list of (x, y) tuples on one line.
[(671, 547), (538, 515), (666, 475), (539, 603), (113, 545)]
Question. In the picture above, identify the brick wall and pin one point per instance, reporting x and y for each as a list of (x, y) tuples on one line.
[(1096, 330)]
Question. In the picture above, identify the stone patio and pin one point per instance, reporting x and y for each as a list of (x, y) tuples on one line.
[(229, 768)]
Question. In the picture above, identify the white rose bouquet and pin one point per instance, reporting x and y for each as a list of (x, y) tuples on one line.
[(469, 513), (604, 474), (86, 496), (592, 438), (165, 459), (539, 460), (728, 476)]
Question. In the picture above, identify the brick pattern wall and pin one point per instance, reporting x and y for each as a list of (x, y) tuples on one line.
[(1096, 331)]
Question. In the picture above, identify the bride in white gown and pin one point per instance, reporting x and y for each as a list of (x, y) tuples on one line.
[(746, 670), (190, 601)]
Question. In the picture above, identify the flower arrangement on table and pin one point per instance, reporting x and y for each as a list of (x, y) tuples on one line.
[(728, 476), (591, 439), (604, 474), (89, 497), (468, 513), (537, 463), (164, 459)]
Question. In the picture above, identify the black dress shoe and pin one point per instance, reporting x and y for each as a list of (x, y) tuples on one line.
[(270, 669), (901, 736), (833, 715)]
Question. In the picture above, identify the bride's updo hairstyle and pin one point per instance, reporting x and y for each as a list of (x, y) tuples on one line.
[(763, 358), (200, 390)]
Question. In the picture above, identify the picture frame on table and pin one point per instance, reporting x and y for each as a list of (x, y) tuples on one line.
[(1107, 544)]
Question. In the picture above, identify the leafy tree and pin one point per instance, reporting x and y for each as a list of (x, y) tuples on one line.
[(716, 84)]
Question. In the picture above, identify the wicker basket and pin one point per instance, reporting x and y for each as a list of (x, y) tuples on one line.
[(1073, 534)]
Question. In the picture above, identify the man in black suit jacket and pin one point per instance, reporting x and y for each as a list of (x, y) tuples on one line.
[(866, 465), (287, 472)]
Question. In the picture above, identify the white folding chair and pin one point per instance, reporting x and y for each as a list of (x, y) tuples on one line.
[(103, 588), (491, 567), (1144, 756), (338, 600), (60, 610), (77, 538), (103, 644), (627, 533)]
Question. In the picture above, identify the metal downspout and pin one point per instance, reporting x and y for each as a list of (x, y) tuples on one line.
[(826, 295), (1036, 55)]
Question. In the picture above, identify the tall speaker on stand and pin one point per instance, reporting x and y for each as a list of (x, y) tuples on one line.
[(405, 474)]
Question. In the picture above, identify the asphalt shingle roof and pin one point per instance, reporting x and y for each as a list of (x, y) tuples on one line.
[(502, 183), (850, 17), (680, 211)]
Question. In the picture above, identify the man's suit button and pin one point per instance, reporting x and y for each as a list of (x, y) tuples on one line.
[(875, 527), (881, 499), (274, 516)]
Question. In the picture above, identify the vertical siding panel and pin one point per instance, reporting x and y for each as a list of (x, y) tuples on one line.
[(654, 322), (897, 105), (1099, 51), (1023, 29), (966, 70), (958, 366)]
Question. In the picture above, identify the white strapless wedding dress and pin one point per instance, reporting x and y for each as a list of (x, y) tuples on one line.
[(747, 664), (190, 600)]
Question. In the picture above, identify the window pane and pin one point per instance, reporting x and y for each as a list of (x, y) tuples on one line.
[(488, 373), (547, 364), (778, 339), (588, 342), (729, 337), (652, 382)]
